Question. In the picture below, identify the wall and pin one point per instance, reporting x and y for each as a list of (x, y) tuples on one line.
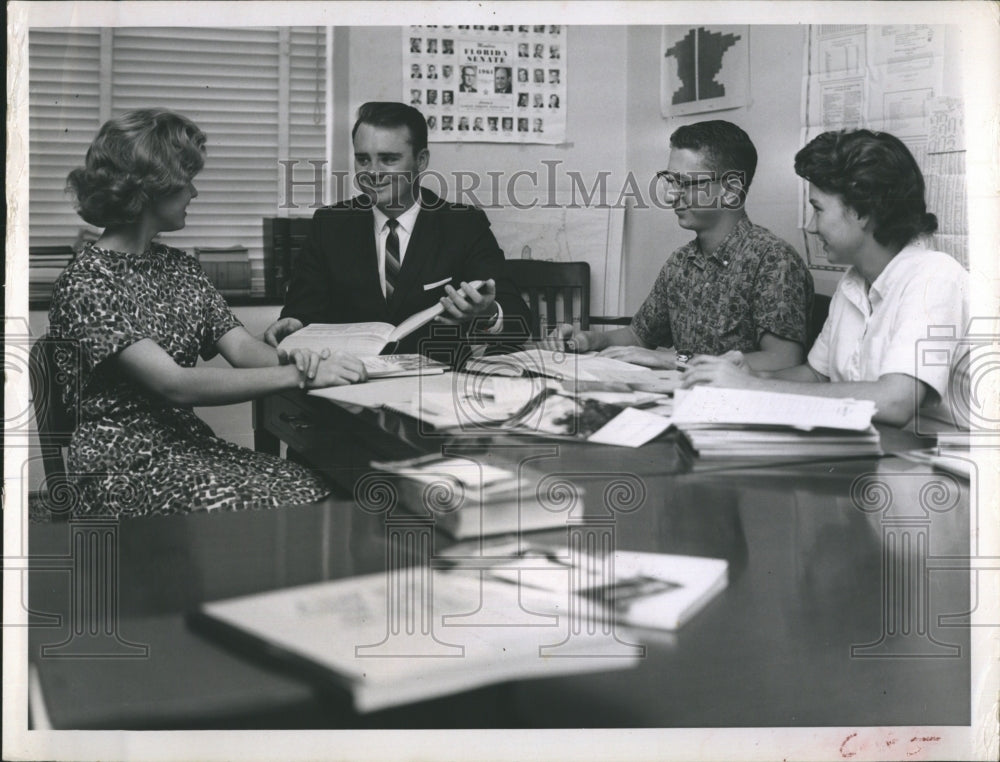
[(771, 119), (614, 125)]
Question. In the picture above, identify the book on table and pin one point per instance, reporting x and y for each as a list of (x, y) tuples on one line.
[(472, 632), (369, 341), (651, 590), (466, 498), (389, 366), (228, 267)]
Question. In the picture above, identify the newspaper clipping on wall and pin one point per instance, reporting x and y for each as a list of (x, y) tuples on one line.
[(496, 84)]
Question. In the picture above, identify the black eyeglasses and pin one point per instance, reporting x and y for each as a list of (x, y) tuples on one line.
[(671, 181)]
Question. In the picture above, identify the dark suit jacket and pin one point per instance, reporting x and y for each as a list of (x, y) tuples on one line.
[(336, 280)]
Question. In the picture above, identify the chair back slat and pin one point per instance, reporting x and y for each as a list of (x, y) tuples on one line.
[(547, 286)]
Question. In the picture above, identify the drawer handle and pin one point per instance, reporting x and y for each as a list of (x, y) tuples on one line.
[(294, 421)]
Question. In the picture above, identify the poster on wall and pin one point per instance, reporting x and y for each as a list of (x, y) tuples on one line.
[(703, 68), (890, 78), (488, 84)]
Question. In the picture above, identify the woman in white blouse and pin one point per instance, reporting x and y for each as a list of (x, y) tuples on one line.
[(867, 195)]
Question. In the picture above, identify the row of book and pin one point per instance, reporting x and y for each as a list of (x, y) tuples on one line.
[(227, 267)]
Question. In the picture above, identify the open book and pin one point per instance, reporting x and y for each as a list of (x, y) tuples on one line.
[(364, 339), (578, 372)]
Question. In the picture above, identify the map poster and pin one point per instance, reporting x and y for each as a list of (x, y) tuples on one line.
[(495, 84), (703, 68)]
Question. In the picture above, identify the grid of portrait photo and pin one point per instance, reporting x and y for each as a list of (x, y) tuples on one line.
[(498, 83)]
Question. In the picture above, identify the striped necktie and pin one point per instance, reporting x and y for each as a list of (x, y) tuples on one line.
[(391, 259)]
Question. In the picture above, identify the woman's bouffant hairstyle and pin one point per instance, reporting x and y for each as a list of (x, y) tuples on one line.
[(874, 174), (136, 159)]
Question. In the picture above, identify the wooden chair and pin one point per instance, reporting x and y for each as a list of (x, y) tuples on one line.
[(54, 421), (556, 292), (549, 286)]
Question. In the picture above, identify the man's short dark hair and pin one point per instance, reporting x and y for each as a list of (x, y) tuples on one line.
[(875, 174), (726, 145), (392, 114)]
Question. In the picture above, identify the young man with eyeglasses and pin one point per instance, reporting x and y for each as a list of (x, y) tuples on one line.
[(736, 286)]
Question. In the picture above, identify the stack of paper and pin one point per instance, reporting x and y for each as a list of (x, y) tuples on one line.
[(737, 423), (386, 366)]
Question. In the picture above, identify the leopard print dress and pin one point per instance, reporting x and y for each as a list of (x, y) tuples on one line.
[(132, 452)]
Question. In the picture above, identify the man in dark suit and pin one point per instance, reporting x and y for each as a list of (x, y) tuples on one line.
[(398, 249)]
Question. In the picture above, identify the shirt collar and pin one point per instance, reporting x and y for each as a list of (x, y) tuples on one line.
[(406, 220), (726, 251), (895, 271)]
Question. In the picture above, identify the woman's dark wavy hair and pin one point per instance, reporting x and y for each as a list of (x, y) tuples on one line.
[(874, 174), (136, 159)]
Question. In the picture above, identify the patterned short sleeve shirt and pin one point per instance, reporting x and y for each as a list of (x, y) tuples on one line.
[(753, 283)]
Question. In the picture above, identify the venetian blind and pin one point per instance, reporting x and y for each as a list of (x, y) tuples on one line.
[(226, 81), (306, 117), (63, 116), (257, 93)]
